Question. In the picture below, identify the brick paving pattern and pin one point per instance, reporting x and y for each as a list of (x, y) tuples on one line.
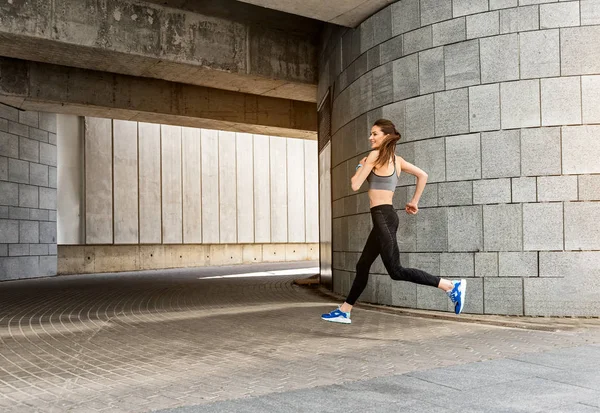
[(136, 343)]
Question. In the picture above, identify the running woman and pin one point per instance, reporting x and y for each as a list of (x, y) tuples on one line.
[(381, 168)]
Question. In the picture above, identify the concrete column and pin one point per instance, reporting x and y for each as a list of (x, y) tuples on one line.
[(70, 180), (28, 179)]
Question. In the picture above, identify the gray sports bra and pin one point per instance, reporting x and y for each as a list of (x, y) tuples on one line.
[(383, 182)]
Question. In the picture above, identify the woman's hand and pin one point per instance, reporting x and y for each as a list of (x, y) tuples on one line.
[(412, 208), (363, 161)]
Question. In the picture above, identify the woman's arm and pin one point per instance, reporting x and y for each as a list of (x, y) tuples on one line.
[(412, 205), (361, 173)]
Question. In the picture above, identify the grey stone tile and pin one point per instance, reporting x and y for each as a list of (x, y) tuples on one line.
[(29, 232), (18, 213), (373, 58), (540, 54), (575, 359), (390, 50), (38, 249), (557, 188), (502, 229), (39, 135), (9, 113), (579, 51), (10, 193), (9, 231), (430, 156), (417, 40), (52, 177), (503, 4), (503, 295), (47, 122), (406, 77), (520, 106), (543, 227), (52, 216), (483, 25), (382, 25), (48, 232), (519, 19), (366, 35), (449, 31), (589, 187), (419, 118), (451, 112), (18, 171), (518, 264), (18, 250), (28, 196), (581, 225), (463, 157), (19, 267), (29, 118), (39, 214), (48, 265), (29, 150), (3, 125), (3, 168), (561, 101), (457, 265), (464, 7), (491, 191), (18, 129), (562, 14), (405, 16), (499, 58), (431, 225), (433, 11), (589, 12), (580, 149), (461, 63), (484, 107), (540, 151), (396, 113), (590, 98), (47, 154), (383, 87), (431, 70), (455, 193), (524, 189), (486, 264), (404, 294), (3, 250), (9, 145), (500, 154), (465, 229), (38, 174)]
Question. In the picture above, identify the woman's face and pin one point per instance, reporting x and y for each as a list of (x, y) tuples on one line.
[(376, 137)]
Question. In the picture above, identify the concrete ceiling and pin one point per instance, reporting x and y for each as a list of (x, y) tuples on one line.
[(348, 13)]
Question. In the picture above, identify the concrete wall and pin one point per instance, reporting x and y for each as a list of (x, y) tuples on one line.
[(498, 102), (27, 194), (148, 184)]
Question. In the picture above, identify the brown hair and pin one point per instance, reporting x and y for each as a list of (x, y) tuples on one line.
[(388, 146)]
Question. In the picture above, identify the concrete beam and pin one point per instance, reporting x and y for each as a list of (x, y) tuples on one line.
[(151, 40), (59, 89)]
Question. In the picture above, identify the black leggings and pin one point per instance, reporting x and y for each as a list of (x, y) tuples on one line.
[(382, 240)]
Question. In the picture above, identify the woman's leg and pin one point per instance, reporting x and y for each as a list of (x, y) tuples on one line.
[(368, 256), (386, 221)]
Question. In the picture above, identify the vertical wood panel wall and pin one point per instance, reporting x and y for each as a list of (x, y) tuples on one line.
[(153, 184)]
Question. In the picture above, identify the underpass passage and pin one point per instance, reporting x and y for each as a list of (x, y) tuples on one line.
[(161, 339)]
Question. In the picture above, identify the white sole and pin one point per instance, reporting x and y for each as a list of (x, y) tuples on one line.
[(463, 288), (337, 320)]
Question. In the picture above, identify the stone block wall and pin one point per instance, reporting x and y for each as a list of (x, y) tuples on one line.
[(27, 194), (498, 102)]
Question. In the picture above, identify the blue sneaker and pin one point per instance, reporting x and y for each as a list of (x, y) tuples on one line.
[(457, 295), (337, 316)]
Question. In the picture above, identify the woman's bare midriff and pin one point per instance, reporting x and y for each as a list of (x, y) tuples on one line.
[(380, 197)]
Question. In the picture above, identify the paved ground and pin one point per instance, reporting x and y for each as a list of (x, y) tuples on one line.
[(166, 339)]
